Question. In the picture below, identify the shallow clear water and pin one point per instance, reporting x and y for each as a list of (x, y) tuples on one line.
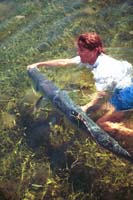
[(41, 155)]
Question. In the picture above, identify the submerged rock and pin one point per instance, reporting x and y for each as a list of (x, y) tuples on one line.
[(20, 17)]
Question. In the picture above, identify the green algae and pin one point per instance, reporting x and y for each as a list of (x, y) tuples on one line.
[(63, 164)]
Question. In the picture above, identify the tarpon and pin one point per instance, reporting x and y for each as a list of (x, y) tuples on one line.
[(61, 100)]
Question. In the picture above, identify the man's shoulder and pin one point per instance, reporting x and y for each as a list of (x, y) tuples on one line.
[(76, 60), (107, 60)]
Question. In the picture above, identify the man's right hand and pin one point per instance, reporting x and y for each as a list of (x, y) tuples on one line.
[(31, 66)]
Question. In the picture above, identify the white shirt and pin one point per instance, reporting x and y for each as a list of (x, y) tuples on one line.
[(109, 72)]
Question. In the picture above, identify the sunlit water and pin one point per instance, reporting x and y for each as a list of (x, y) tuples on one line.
[(34, 144)]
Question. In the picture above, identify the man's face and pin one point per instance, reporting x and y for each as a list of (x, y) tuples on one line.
[(86, 55)]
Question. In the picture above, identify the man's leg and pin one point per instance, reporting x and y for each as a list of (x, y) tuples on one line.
[(113, 123)]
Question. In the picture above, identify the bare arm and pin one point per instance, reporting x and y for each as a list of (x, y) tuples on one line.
[(53, 63), (96, 99)]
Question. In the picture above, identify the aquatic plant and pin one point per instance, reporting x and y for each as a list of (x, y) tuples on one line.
[(41, 156)]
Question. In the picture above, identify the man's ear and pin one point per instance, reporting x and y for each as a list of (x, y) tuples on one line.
[(96, 50)]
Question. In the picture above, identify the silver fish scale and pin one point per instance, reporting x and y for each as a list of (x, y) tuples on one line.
[(74, 114)]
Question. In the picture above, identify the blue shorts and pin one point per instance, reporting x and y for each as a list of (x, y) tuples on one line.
[(122, 99)]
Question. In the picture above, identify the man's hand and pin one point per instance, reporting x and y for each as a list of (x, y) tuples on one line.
[(31, 66), (85, 107), (97, 99)]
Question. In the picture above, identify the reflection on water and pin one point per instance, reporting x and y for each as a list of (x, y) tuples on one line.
[(6, 8), (42, 156)]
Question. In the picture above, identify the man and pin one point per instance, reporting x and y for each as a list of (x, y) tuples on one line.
[(112, 77)]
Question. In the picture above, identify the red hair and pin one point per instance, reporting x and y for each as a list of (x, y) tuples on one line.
[(90, 41)]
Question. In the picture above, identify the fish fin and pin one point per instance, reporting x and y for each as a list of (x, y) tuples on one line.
[(34, 91), (38, 103)]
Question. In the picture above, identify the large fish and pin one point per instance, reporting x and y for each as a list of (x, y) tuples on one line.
[(60, 99)]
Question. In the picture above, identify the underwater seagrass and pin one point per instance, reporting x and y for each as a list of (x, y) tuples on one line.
[(74, 114)]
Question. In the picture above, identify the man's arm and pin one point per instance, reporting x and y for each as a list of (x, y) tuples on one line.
[(53, 63), (98, 98)]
